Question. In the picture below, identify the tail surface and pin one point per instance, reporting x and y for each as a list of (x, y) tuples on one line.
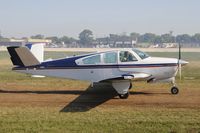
[(37, 49), (22, 56)]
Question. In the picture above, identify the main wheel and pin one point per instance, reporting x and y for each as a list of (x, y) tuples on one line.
[(124, 96), (174, 90)]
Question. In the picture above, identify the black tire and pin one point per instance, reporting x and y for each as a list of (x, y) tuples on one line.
[(130, 86), (174, 90), (124, 96)]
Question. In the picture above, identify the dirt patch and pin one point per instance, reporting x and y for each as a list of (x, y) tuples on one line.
[(89, 98)]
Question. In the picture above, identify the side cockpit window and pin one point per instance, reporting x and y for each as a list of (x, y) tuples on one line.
[(102, 58), (110, 57), (126, 56), (92, 60)]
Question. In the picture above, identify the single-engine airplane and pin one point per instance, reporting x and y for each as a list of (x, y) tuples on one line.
[(117, 67)]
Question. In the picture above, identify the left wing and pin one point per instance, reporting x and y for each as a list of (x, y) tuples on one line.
[(130, 76), (136, 76)]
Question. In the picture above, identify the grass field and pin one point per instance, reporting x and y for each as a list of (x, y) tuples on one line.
[(59, 105)]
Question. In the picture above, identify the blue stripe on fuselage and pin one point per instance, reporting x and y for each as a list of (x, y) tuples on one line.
[(112, 66), (102, 66), (65, 62)]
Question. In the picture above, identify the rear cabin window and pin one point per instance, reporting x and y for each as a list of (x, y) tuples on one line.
[(92, 60), (126, 56), (110, 57)]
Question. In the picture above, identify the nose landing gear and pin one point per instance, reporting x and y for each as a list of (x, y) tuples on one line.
[(174, 90)]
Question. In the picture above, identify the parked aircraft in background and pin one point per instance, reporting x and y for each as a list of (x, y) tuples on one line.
[(117, 67)]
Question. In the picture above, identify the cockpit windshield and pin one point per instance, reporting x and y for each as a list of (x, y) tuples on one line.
[(141, 54)]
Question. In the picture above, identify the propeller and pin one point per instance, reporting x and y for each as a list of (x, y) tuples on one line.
[(179, 58)]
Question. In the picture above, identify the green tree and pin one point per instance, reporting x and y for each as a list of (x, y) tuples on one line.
[(184, 38), (38, 36), (147, 38), (54, 39), (67, 40), (134, 36), (114, 37), (167, 38), (196, 38), (1, 37), (4, 39), (86, 37), (158, 40)]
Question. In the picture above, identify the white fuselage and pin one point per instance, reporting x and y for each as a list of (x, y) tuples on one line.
[(96, 75), (157, 68)]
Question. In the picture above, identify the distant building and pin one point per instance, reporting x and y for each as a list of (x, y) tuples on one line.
[(47, 41), (115, 41), (154, 46), (16, 40), (170, 45), (6, 44), (21, 42)]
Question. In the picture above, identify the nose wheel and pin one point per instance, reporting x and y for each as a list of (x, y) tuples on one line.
[(174, 90)]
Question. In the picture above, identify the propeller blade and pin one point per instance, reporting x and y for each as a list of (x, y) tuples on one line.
[(179, 58), (179, 51)]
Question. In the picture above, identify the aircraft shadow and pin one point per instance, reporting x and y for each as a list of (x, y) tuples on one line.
[(74, 92), (94, 97), (91, 98), (148, 93), (87, 99)]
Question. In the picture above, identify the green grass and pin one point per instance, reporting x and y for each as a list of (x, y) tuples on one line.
[(188, 56), (100, 119)]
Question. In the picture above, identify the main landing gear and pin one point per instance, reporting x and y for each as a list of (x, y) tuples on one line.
[(123, 96), (122, 88)]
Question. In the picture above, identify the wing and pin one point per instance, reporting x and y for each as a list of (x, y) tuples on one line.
[(130, 76), (136, 76)]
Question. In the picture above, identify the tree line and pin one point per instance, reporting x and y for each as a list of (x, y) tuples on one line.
[(86, 38)]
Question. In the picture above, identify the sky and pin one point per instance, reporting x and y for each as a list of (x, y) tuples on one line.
[(23, 18)]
